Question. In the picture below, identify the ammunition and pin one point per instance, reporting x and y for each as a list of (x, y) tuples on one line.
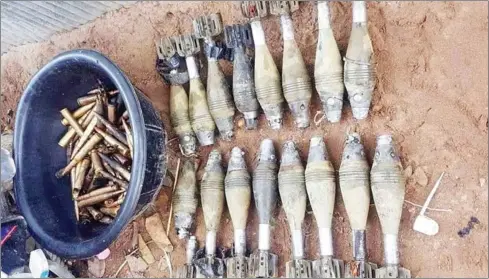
[(98, 192), (200, 117), (111, 113), (219, 97), (118, 181), (359, 63), (97, 164), (212, 195), (97, 215), (267, 78), (106, 220), (292, 188), (328, 68), (98, 199), (188, 270), (77, 114), (129, 137), (239, 37), (109, 169), (238, 196), (73, 123), (111, 211), (88, 178), (81, 154), (73, 178), (388, 188), (117, 167), (86, 134), (71, 133), (263, 264), (111, 129), (321, 189), (85, 100), (98, 90), (100, 108), (185, 200), (80, 177), (125, 115), (355, 189), (114, 142), (179, 107), (122, 160), (296, 82), (109, 202)]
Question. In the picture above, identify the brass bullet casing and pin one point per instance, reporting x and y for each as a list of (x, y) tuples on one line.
[(112, 113), (98, 192), (296, 83), (388, 189), (355, 190), (173, 69), (71, 133), (78, 113), (239, 37), (267, 78), (263, 264), (185, 200), (123, 184), (94, 140), (212, 200), (98, 199), (219, 97), (238, 196), (85, 100), (321, 190), (80, 177), (129, 139), (359, 63), (86, 134), (114, 131), (73, 123), (292, 188), (96, 214), (110, 211), (199, 114), (124, 161), (117, 167), (114, 142), (328, 67)]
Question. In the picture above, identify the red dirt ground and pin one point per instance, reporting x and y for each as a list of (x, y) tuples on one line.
[(431, 95)]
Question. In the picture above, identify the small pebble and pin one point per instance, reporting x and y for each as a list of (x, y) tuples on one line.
[(420, 176)]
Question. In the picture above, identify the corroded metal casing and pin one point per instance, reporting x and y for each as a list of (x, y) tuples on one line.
[(212, 191), (354, 182), (292, 188), (239, 37), (263, 264), (321, 189), (388, 189), (179, 114), (267, 78), (219, 99), (237, 267), (185, 200), (328, 67), (238, 197), (200, 117), (296, 83), (359, 63)]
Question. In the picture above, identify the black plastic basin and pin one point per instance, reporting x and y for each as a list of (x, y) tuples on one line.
[(44, 200)]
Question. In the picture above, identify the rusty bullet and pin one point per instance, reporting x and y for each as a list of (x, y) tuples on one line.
[(117, 167), (98, 199), (111, 128), (113, 141), (97, 215), (185, 200), (111, 211)]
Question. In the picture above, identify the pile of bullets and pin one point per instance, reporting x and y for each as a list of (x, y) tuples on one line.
[(256, 79), (99, 148), (294, 184)]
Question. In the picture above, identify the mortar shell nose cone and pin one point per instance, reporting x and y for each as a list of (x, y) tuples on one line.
[(317, 150), (290, 155), (236, 161), (214, 159), (267, 151), (353, 149)]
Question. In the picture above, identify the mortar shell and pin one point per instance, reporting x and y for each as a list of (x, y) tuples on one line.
[(238, 189), (265, 183), (388, 184), (212, 191), (331, 90), (200, 117), (185, 200)]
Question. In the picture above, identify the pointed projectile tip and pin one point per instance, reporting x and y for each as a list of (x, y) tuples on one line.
[(236, 161), (290, 154), (317, 150)]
